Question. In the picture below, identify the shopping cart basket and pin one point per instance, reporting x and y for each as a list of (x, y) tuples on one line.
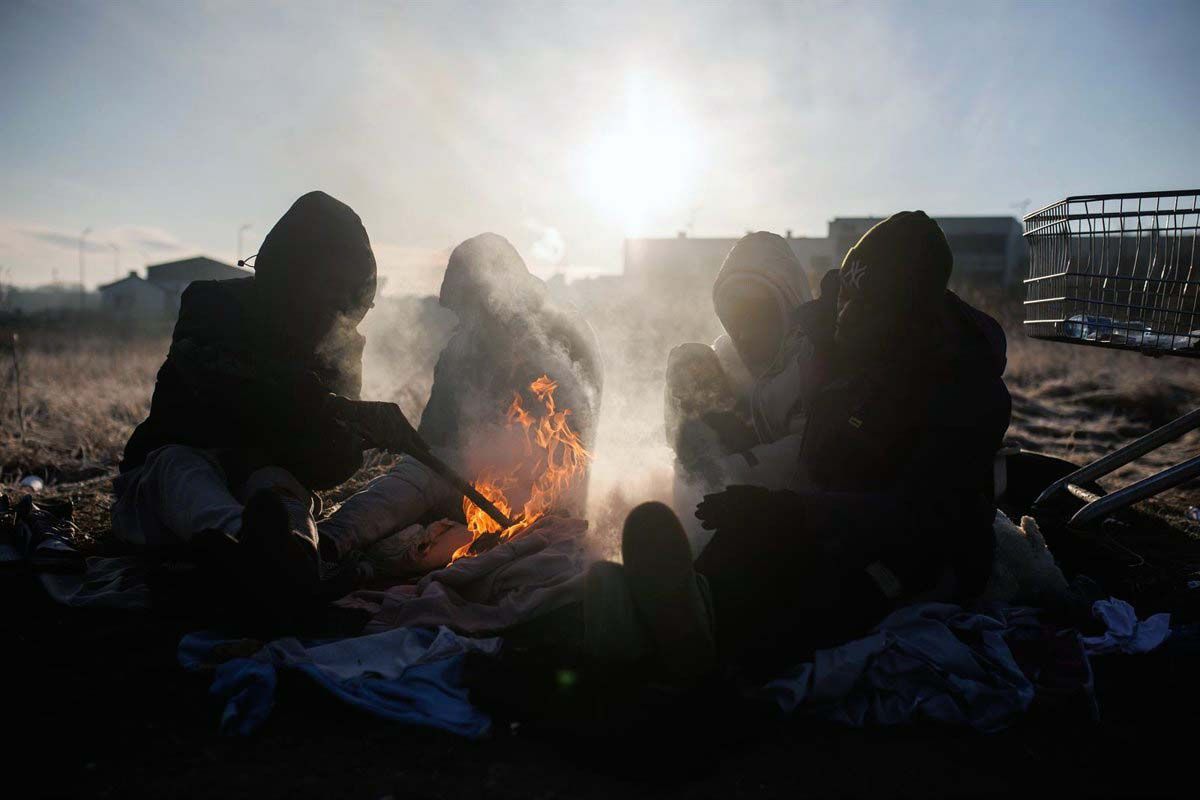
[(1119, 271)]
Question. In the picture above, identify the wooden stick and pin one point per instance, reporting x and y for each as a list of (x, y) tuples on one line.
[(462, 486), (17, 376)]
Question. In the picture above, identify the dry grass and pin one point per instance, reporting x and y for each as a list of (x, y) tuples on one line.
[(81, 398), (1080, 403), (83, 395)]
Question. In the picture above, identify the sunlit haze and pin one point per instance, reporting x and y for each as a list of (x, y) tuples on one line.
[(165, 128)]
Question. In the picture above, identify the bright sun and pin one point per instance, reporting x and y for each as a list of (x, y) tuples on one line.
[(644, 167)]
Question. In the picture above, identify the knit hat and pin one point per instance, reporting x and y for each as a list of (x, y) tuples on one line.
[(904, 260)]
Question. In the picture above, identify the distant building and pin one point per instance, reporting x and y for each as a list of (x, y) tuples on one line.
[(686, 263), (987, 251), (49, 298), (157, 295)]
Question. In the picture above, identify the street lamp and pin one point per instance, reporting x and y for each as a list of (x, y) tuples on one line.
[(245, 227), (82, 236)]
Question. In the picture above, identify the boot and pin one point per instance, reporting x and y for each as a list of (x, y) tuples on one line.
[(669, 595), (279, 540), (613, 631), (45, 540)]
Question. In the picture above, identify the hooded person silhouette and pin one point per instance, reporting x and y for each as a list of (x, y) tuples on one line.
[(249, 410), (510, 332)]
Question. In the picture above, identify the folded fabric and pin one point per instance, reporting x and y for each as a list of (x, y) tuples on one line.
[(532, 573), (408, 675), (104, 583), (931, 661), (1125, 633)]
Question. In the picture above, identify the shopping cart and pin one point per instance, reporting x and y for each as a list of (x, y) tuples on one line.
[(1120, 271)]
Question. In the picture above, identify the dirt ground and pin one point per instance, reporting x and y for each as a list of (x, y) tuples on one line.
[(96, 705)]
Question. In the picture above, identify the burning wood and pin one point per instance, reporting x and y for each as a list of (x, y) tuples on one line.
[(552, 459)]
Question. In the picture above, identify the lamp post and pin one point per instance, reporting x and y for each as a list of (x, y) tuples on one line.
[(245, 227), (82, 236)]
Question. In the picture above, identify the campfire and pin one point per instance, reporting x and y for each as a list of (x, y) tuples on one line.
[(551, 458)]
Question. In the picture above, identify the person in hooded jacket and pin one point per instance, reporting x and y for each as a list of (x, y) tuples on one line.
[(733, 411), (904, 410), (510, 332), (256, 405)]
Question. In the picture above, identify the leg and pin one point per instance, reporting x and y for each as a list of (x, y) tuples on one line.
[(278, 532), (179, 492), (388, 504)]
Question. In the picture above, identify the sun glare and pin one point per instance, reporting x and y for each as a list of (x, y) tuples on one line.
[(643, 167)]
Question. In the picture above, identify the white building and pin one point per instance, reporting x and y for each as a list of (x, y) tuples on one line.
[(157, 295)]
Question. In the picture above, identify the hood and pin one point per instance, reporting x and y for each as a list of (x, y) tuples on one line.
[(764, 260), (317, 259), (974, 340), (486, 277)]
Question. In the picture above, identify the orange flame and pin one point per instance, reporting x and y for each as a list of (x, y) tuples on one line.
[(554, 457)]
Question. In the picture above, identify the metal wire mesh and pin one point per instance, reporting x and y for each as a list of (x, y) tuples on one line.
[(1117, 270)]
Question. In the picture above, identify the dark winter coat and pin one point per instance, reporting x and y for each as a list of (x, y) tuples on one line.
[(253, 361), (896, 461), (226, 386), (916, 437)]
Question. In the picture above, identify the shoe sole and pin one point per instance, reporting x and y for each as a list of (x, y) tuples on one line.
[(658, 566)]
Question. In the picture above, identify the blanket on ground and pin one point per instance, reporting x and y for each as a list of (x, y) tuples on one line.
[(532, 573), (407, 675), (943, 663)]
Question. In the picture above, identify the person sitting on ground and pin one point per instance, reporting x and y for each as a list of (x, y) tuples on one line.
[(256, 406), (733, 410), (510, 332), (905, 411)]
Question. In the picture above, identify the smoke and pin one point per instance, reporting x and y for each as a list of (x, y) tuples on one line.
[(404, 336), (635, 328), (550, 247)]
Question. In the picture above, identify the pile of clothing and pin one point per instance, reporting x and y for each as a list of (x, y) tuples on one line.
[(981, 667)]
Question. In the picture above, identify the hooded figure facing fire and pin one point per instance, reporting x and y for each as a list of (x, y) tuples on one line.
[(903, 407), (515, 352), (257, 405)]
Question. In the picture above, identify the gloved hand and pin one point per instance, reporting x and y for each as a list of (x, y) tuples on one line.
[(750, 508), (379, 424), (757, 532), (735, 435)]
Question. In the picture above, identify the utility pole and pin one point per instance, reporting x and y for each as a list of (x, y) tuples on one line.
[(82, 236)]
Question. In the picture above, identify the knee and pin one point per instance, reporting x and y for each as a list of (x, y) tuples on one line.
[(275, 479), (177, 455)]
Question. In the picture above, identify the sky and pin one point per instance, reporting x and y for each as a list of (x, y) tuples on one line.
[(162, 128)]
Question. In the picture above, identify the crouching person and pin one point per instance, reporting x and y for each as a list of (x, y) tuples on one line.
[(894, 502), (734, 411), (256, 406), (510, 333)]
